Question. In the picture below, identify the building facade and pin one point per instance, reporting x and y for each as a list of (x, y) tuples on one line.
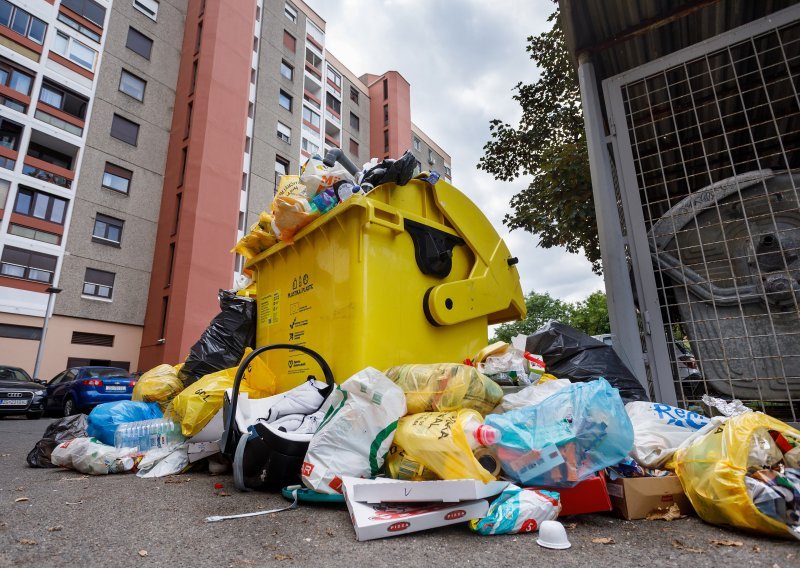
[(139, 139)]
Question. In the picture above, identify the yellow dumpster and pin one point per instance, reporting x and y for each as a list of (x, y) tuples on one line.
[(406, 274)]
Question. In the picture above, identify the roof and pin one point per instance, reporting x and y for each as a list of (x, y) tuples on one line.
[(620, 34), (429, 141)]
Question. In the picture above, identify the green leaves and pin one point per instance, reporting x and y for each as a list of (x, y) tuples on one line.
[(549, 143)]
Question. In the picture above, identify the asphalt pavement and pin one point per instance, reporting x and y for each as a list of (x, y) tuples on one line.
[(54, 517)]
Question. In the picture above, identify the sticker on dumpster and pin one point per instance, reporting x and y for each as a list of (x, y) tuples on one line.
[(300, 285), (297, 308), (270, 308)]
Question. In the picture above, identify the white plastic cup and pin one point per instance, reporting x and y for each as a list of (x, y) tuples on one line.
[(552, 534)]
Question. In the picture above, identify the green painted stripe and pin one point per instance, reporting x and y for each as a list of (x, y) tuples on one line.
[(376, 445), (332, 411)]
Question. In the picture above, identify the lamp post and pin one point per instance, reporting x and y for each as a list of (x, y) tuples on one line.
[(52, 291)]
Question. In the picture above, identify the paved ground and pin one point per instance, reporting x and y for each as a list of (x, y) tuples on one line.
[(72, 520)]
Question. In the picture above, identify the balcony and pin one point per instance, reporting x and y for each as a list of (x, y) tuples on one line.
[(332, 141), (312, 100), (61, 108), (10, 134), (50, 159)]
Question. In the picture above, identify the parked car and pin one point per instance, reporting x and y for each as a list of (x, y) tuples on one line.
[(80, 389), (20, 394)]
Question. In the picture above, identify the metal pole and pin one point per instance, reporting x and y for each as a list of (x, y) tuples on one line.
[(619, 293), (40, 352)]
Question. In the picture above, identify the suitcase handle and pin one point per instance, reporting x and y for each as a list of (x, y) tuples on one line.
[(228, 442)]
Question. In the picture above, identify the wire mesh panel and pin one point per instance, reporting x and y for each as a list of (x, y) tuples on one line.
[(713, 144)]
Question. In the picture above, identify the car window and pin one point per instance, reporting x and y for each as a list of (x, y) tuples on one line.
[(21, 375), (101, 373), (58, 378)]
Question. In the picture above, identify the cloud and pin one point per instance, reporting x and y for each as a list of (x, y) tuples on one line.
[(463, 59)]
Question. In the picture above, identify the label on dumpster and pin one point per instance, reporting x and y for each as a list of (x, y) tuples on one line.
[(269, 308)]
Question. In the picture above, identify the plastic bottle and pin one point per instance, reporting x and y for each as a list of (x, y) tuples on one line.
[(146, 434), (479, 434)]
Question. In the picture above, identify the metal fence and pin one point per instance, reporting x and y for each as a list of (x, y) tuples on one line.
[(707, 151)]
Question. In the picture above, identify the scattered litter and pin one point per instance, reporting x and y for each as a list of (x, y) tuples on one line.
[(670, 514), (756, 548), (74, 502), (142, 553), (56, 528), (681, 546), (603, 540), (219, 485), (177, 479), (726, 542), (22, 488), (570, 526), (552, 535), (217, 518), (21, 499), (26, 541), (283, 557), (79, 478)]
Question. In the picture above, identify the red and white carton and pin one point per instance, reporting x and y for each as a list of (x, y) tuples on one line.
[(381, 520)]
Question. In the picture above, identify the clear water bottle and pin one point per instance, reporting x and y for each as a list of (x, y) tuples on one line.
[(147, 434)]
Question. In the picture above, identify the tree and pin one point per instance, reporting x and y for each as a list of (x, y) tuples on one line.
[(591, 315), (541, 309), (549, 144)]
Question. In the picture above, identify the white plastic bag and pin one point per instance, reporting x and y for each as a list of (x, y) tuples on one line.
[(88, 455), (160, 462), (317, 177), (354, 437), (528, 396), (658, 430)]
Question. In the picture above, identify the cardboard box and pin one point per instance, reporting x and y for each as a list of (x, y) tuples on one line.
[(200, 450), (448, 491), (382, 520), (636, 497), (588, 496)]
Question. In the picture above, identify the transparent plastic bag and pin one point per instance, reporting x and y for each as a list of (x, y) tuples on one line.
[(104, 418), (561, 441), (88, 455), (402, 465), (442, 387)]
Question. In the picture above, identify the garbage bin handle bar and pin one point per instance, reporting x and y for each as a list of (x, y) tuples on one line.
[(396, 224), (326, 370)]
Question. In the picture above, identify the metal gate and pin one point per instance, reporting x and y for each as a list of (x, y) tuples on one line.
[(706, 143)]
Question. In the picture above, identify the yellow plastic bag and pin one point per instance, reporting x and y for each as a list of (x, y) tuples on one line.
[(402, 465), (160, 384), (259, 239), (258, 375), (200, 401), (438, 440), (442, 387), (712, 471)]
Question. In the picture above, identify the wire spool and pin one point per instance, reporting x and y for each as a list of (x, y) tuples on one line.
[(488, 460)]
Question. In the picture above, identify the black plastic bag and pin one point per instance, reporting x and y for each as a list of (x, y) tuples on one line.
[(392, 171), (571, 354), (223, 342), (57, 432)]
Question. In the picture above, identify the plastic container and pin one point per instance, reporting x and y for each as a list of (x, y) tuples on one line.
[(406, 274), (147, 434), (552, 534)]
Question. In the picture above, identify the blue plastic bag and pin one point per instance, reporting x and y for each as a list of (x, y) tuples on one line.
[(518, 511), (565, 438), (105, 418)]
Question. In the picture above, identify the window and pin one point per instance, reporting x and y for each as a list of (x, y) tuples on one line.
[(86, 338), (116, 178), (285, 100), (10, 133), (66, 101), (78, 27), (22, 22), (431, 157), (164, 312), (417, 144), (26, 264), (284, 133), (290, 12), (41, 205), (386, 115), (385, 89), (199, 39), (354, 147), (125, 130), (309, 146), (35, 234), (247, 144), (98, 283), (139, 43), (447, 171), (188, 127), (313, 58), (255, 43), (75, 51), (20, 332), (250, 110), (355, 122), (107, 229), (334, 77), (184, 157), (289, 41), (287, 70), (132, 85), (171, 264), (385, 140), (5, 185), (16, 80), (316, 34), (333, 103), (281, 166), (178, 203), (354, 94), (89, 9), (311, 117), (194, 78), (147, 7), (307, 97)]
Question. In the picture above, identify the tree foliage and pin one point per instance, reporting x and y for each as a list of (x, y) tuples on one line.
[(589, 316), (549, 144)]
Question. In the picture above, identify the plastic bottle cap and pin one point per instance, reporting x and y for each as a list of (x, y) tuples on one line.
[(486, 435)]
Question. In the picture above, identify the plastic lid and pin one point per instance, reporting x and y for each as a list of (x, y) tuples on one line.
[(486, 435)]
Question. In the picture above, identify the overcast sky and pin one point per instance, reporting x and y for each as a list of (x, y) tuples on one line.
[(463, 59)]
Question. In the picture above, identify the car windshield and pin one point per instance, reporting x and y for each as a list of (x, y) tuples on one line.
[(9, 373), (103, 373)]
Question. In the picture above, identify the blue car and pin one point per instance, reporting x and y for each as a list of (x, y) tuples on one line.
[(80, 389)]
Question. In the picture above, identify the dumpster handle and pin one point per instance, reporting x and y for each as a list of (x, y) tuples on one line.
[(228, 442), (396, 224)]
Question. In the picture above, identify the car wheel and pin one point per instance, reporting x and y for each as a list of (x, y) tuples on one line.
[(34, 415), (69, 407)]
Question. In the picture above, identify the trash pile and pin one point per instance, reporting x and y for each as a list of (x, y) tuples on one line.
[(507, 440)]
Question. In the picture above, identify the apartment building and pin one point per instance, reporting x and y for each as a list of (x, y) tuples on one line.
[(139, 139)]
